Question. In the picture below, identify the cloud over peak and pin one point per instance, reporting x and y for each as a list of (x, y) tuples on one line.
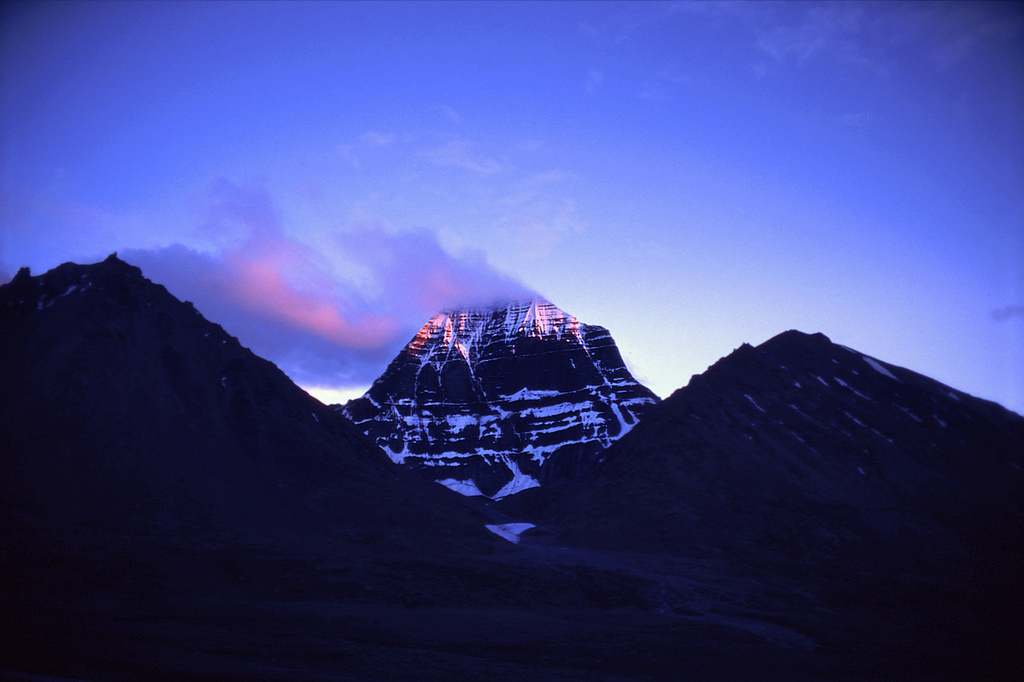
[(330, 315)]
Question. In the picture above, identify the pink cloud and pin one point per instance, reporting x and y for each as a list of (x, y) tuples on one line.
[(331, 316), (261, 284)]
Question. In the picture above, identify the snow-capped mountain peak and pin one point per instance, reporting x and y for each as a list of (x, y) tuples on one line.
[(461, 329), (502, 399), (540, 318)]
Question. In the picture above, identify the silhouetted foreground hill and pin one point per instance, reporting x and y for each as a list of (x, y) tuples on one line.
[(124, 408), (810, 446), (173, 507), (892, 503)]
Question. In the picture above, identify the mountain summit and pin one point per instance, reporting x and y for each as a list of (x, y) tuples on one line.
[(496, 400), (805, 448), (123, 408)]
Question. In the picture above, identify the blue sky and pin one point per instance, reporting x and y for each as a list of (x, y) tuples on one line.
[(322, 177)]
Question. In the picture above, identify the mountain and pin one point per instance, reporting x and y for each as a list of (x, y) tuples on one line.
[(173, 507), (494, 401), (809, 442), (122, 404), (163, 491), (884, 509)]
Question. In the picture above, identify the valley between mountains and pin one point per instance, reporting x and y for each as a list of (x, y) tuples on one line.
[(506, 502)]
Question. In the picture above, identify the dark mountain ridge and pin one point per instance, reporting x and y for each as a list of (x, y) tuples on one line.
[(173, 507), (121, 401), (894, 503), (800, 420)]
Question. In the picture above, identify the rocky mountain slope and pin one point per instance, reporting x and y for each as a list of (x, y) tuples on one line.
[(495, 401), (122, 405), (809, 442), (173, 507), (893, 503), (159, 479)]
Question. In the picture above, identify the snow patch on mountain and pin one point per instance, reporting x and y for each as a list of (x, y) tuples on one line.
[(467, 487), (878, 367), (510, 531), (753, 402), (519, 482)]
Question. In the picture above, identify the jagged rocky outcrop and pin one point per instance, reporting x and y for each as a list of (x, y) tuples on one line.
[(498, 400)]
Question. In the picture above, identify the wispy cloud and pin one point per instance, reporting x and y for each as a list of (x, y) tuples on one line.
[(594, 80), (958, 30), (836, 31), (368, 140), (628, 19), (878, 37), (535, 225), (348, 152), (377, 139), (450, 113), (537, 214), (459, 154), (329, 316), (409, 275), (553, 176), (662, 84), (1008, 312)]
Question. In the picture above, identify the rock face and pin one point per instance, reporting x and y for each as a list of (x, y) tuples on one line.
[(494, 401), (893, 502), (811, 446), (123, 408)]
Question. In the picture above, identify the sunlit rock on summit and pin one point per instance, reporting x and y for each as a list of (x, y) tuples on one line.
[(496, 400)]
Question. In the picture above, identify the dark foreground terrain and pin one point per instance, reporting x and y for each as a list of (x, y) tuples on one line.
[(253, 615), (127, 611), (173, 507)]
